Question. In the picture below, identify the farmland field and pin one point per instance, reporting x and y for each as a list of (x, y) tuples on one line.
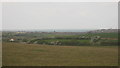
[(19, 54), (59, 34)]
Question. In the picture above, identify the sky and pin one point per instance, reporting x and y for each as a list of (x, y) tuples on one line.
[(60, 0), (59, 15), (0, 17)]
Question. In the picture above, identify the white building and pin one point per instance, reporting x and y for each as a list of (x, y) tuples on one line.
[(12, 40)]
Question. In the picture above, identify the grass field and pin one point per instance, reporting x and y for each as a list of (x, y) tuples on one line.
[(0, 53), (16, 54)]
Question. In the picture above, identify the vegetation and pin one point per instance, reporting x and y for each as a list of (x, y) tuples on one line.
[(15, 54), (86, 39), (56, 49)]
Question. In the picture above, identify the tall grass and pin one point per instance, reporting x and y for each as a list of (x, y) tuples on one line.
[(15, 54)]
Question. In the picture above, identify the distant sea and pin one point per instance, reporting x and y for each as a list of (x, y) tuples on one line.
[(65, 30), (55, 30)]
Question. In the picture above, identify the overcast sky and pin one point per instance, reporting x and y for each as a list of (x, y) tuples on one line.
[(64, 15)]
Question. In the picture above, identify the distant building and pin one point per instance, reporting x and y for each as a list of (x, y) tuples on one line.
[(12, 40), (20, 32)]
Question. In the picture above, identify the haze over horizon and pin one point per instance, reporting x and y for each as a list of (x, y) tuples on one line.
[(59, 15)]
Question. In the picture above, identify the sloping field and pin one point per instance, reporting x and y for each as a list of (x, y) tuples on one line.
[(0, 54), (16, 54)]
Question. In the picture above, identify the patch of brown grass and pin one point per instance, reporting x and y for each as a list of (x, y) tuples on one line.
[(15, 54)]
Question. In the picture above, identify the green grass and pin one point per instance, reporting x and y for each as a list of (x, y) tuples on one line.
[(0, 54), (77, 42), (16, 54), (103, 35), (41, 50)]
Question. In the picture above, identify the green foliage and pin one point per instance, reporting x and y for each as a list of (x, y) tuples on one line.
[(103, 35), (109, 42), (48, 38), (74, 42)]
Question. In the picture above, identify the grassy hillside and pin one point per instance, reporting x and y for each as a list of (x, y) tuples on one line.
[(61, 38), (15, 54), (104, 35)]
